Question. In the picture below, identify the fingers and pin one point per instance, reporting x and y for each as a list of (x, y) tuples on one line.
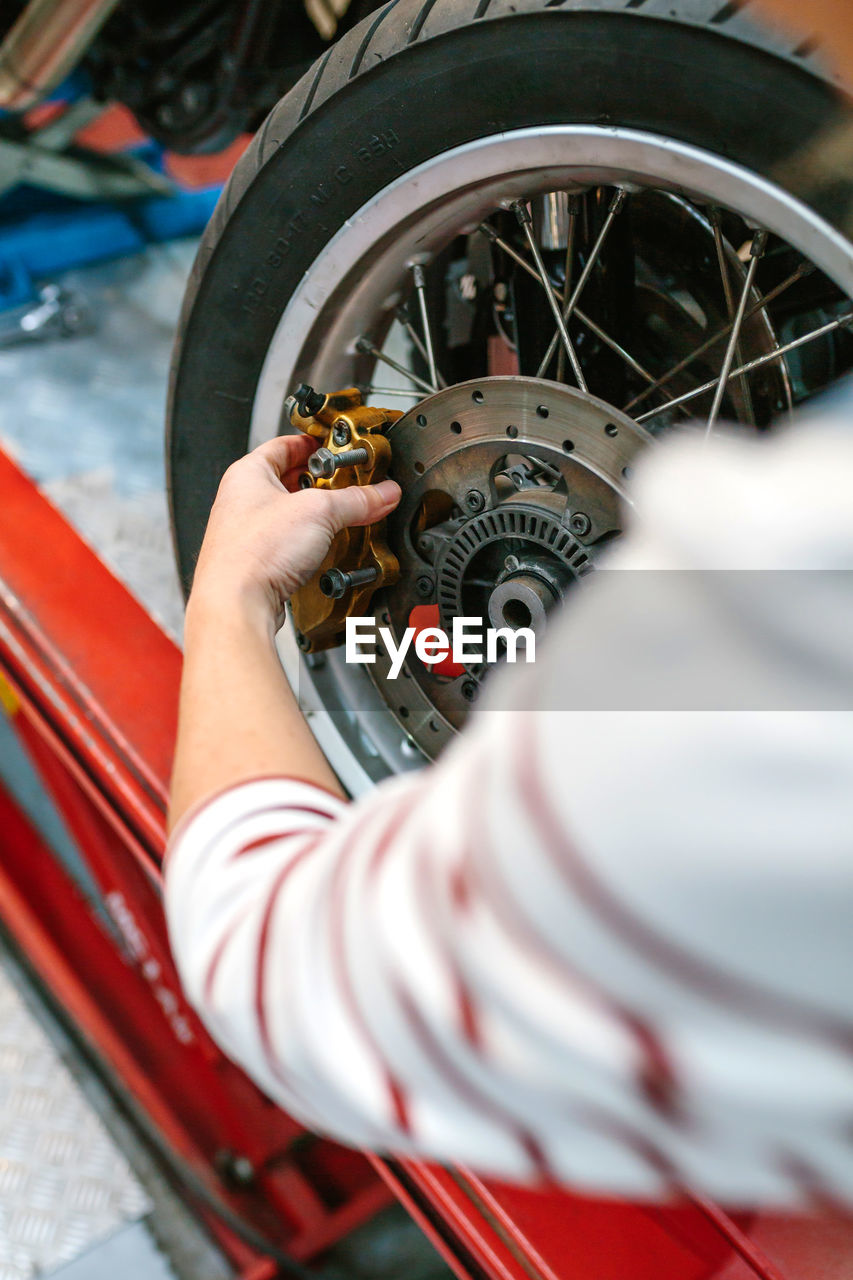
[(360, 504), (287, 455)]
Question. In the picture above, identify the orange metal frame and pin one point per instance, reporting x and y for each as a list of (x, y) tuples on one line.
[(91, 684)]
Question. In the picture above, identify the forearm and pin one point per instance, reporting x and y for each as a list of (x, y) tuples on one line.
[(238, 717)]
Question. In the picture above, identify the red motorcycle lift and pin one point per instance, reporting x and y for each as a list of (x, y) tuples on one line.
[(91, 683)]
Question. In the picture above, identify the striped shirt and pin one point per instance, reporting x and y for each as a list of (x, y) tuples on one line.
[(607, 938)]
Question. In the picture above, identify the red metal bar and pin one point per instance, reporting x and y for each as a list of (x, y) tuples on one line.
[(92, 685)]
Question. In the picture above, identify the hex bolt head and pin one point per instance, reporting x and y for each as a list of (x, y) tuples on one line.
[(323, 463), (469, 690), (474, 500), (334, 584), (424, 585), (580, 524)]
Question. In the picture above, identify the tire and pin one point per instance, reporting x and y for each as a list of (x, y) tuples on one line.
[(419, 77)]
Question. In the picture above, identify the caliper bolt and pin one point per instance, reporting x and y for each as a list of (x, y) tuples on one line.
[(334, 583), (469, 690), (474, 500), (341, 433), (580, 523), (323, 463), (424, 585)]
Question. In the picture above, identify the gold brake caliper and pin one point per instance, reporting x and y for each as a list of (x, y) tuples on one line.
[(352, 450)]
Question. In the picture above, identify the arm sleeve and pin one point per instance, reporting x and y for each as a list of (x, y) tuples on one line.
[(606, 938)]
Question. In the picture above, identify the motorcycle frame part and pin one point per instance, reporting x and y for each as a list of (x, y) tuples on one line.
[(318, 617), (45, 44), (210, 71)]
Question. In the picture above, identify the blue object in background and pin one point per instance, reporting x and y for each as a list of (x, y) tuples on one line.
[(43, 234)]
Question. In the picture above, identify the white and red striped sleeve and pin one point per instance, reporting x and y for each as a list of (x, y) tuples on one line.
[(608, 946)]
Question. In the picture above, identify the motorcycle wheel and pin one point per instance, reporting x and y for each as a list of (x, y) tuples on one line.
[(427, 120)]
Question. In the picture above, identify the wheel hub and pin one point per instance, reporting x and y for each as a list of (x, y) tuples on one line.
[(511, 486), (511, 564)]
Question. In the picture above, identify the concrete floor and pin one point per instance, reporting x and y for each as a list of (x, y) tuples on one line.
[(84, 417)]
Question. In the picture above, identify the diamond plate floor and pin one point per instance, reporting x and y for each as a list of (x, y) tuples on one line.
[(64, 1185)]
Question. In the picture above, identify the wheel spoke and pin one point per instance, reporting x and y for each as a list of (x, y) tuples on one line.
[(569, 308), (368, 348), (391, 391), (402, 316), (574, 210), (525, 221), (420, 286), (742, 392), (803, 270), (759, 363), (497, 240), (759, 244)]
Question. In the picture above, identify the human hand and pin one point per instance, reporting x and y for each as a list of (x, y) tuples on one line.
[(266, 536)]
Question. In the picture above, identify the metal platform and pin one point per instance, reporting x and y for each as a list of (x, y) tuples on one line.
[(64, 1184)]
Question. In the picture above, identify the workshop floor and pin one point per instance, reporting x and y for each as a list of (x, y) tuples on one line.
[(84, 417)]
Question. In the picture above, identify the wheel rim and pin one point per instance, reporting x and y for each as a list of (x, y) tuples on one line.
[(352, 290)]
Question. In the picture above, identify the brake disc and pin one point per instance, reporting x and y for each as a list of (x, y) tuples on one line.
[(511, 488)]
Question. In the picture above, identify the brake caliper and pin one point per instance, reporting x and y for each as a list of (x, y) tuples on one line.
[(352, 450)]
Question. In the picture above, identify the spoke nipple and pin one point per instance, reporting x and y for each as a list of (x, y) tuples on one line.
[(759, 244), (619, 199), (488, 231), (522, 212), (418, 275), (364, 346)]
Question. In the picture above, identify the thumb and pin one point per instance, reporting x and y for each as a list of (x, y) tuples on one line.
[(362, 504)]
